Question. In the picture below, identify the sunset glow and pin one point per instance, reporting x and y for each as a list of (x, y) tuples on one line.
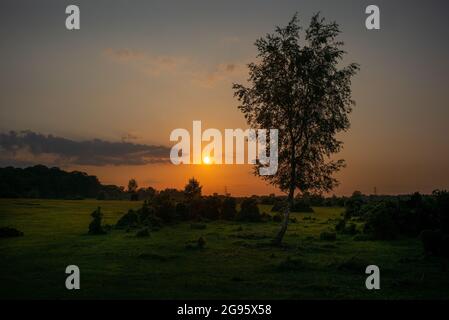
[(207, 160)]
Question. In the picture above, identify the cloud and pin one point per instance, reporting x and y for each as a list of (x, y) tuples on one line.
[(221, 72), (27, 147), (154, 65), (158, 65)]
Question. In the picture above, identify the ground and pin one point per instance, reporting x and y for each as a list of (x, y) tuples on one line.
[(237, 262)]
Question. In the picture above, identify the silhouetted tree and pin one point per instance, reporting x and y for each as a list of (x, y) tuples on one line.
[(132, 185), (132, 189), (192, 190), (301, 90)]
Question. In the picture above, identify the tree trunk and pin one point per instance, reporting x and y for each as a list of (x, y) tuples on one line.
[(281, 233), (291, 196)]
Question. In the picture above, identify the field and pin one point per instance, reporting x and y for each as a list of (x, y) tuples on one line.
[(237, 261)]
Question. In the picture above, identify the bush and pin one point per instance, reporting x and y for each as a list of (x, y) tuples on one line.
[(229, 211), (340, 226), (130, 219), (211, 208), (195, 209), (164, 208), (328, 236), (354, 205), (249, 211), (145, 212), (95, 226), (278, 206), (350, 229), (182, 211), (201, 242), (7, 232), (380, 222), (442, 211), (142, 233), (300, 205)]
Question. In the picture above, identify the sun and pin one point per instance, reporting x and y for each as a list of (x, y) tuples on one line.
[(207, 160)]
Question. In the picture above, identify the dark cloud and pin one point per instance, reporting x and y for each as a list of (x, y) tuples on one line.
[(27, 147)]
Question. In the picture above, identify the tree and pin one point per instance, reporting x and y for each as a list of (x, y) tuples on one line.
[(132, 186), (192, 190), (301, 90)]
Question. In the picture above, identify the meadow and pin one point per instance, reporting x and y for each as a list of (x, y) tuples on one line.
[(237, 262)]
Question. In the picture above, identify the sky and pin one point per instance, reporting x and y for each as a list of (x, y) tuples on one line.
[(104, 99)]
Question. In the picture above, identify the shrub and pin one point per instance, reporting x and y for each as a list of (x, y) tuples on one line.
[(354, 205), (300, 205), (130, 219), (95, 226), (7, 232), (145, 212), (340, 226), (380, 222), (211, 208), (164, 208), (293, 220), (350, 229), (229, 211), (278, 206), (195, 209), (328, 236), (142, 233), (182, 211), (442, 205), (249, 211), (201, 242)]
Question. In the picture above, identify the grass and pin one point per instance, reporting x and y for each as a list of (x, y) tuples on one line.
[(237, 262)]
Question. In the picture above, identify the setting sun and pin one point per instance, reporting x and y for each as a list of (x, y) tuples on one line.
[(207, 160)]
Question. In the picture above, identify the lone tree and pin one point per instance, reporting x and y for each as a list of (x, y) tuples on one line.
[(301, 90), (132, 186), (192, 190)]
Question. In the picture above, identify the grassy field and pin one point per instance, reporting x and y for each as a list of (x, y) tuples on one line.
[(237, 262)]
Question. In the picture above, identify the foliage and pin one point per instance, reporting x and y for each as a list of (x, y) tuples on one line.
[(128, 220), (229, 209), (132, 186), (380, 221), (42, 182), (95, 227), (249, 211), (192, 190), (302, 90)]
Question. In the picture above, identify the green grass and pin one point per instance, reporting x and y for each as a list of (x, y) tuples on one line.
[(237, 262)]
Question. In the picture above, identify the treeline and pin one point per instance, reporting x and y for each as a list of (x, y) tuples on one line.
[(53, 183), (43, 182), (416, 215)]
